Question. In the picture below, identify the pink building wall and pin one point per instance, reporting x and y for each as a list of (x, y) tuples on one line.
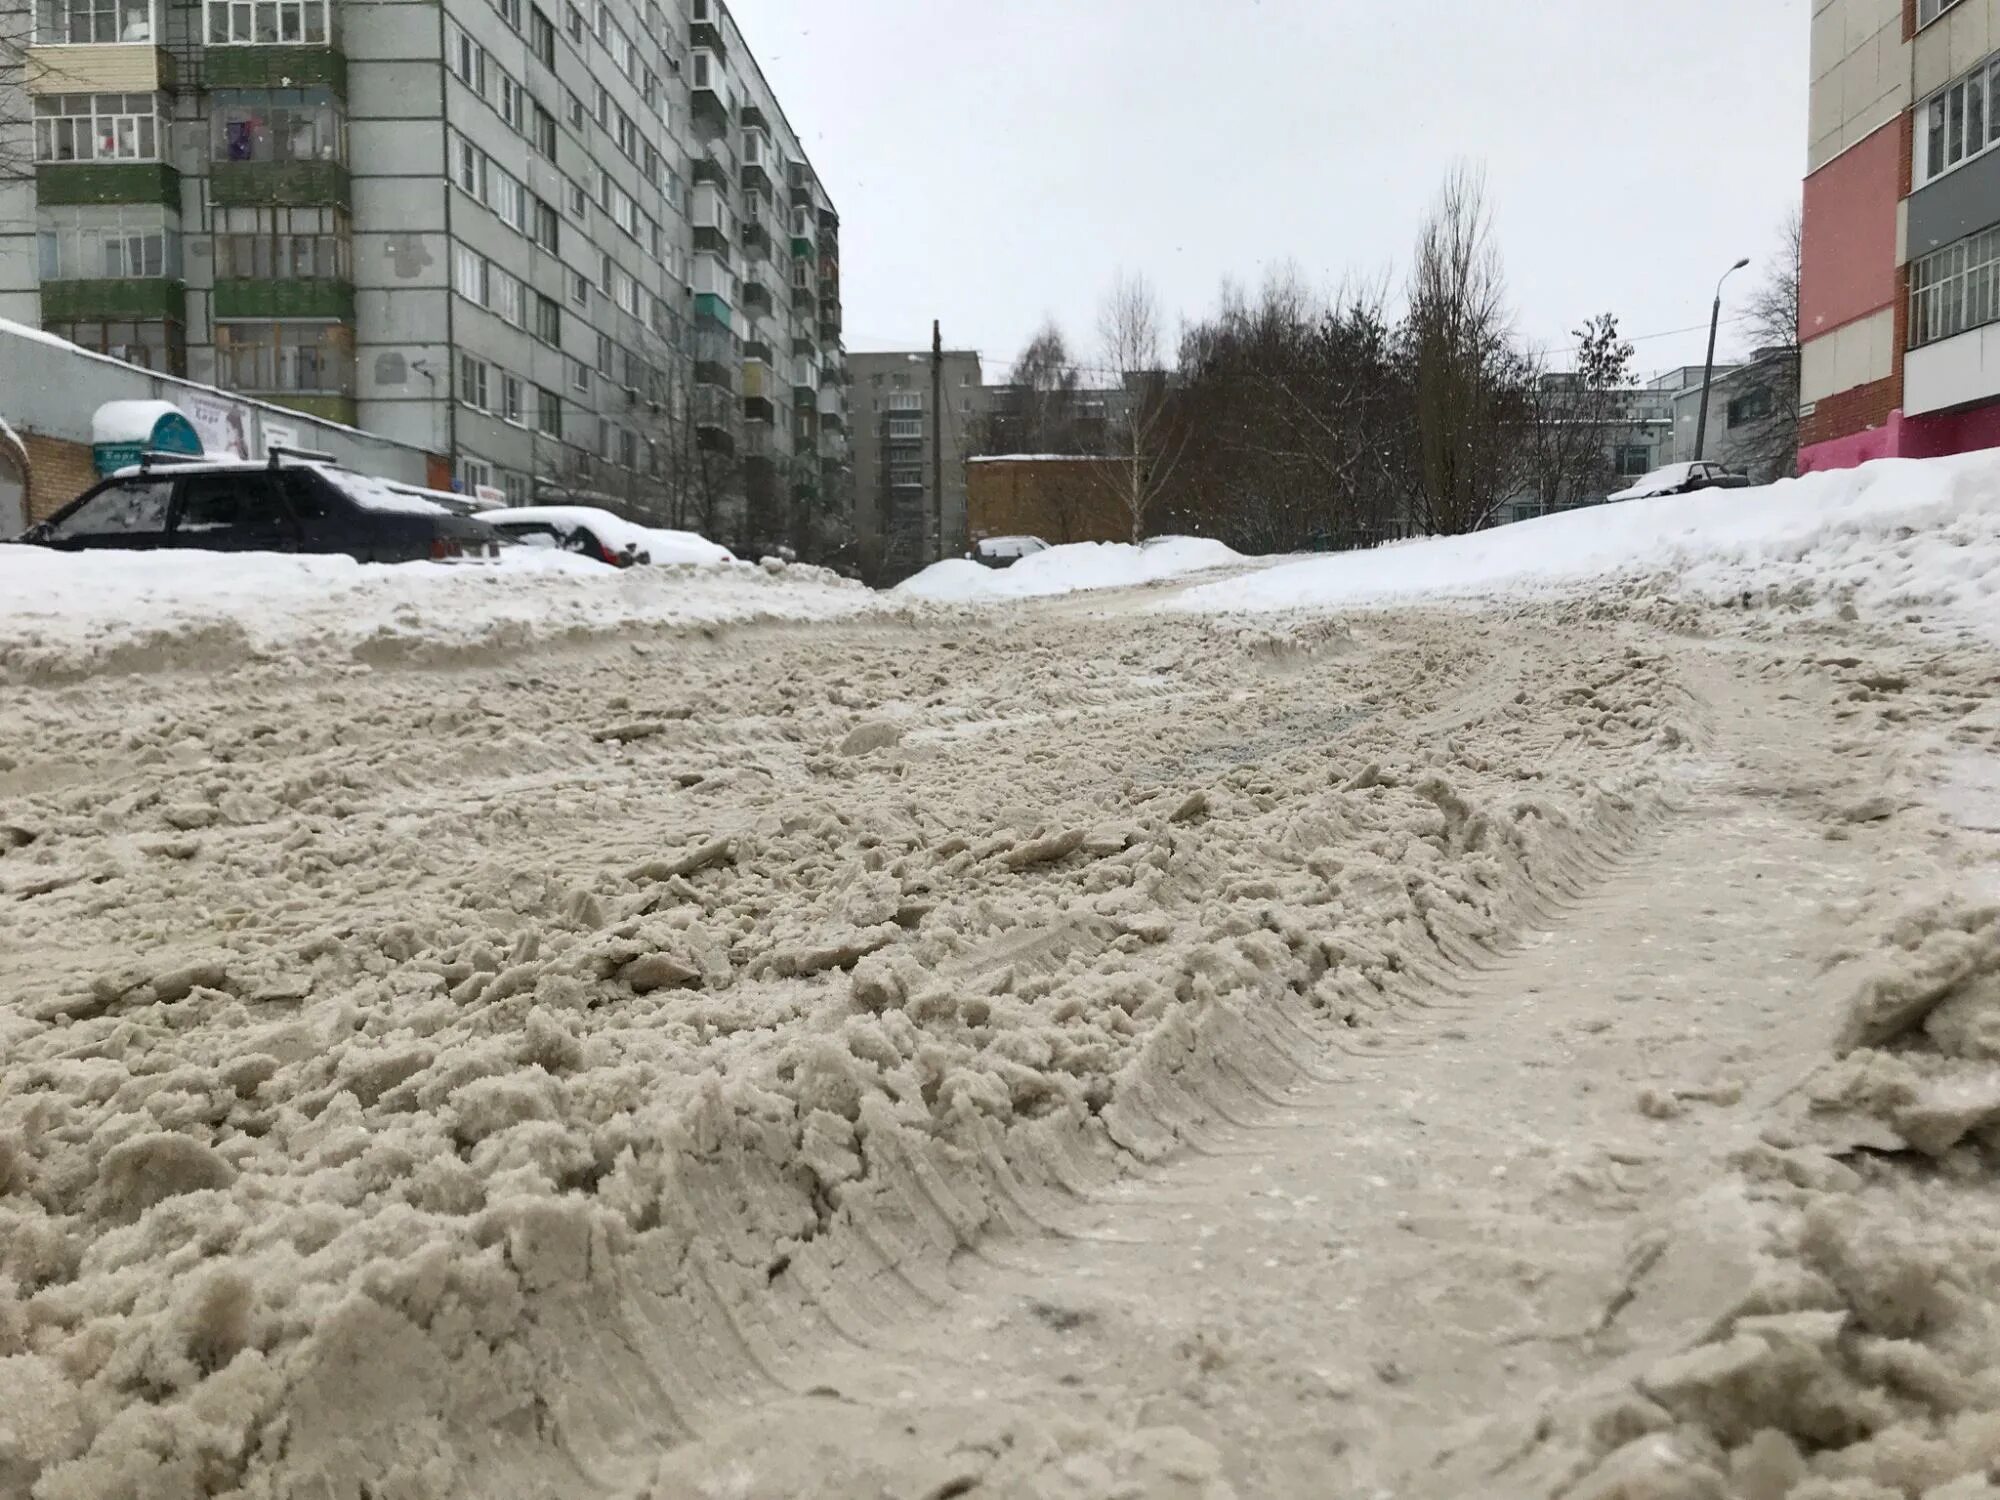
[(1848, 268)]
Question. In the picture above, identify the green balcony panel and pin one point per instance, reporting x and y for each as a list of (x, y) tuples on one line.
[(326, 408), (108, 182), (240, 298), (275, 68), (709, 305), (803, 248), (262, 184), (140, 299)]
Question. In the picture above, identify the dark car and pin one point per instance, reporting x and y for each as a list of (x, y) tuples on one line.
[(292, 503), (1683, 479)]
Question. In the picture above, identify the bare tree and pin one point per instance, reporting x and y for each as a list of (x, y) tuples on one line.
[(1468, 380), (1036, 410), (1769, 448), (1144, 441), (1575, 416), (17, 142)]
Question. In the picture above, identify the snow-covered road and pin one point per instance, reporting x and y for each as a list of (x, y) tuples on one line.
[(1073, 1049)]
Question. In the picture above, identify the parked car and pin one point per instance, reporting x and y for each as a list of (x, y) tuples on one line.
[(1683, 479), (292, 502), (598, 533), (1005, 551)]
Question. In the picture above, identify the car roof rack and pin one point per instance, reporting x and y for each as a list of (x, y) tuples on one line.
[(275, 451), (152, 457)]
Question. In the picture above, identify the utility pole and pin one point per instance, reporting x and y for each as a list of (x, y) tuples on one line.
[(937, 436), (1708, 370)]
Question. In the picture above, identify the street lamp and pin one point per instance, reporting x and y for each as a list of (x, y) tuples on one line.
[(1708, 370)]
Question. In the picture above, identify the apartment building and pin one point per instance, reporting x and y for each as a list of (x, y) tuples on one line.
[(573, 245), (1899, 298), (895, 505)]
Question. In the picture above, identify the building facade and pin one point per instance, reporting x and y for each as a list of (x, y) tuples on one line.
[(896, 508), (1899, 295), (572, 244)]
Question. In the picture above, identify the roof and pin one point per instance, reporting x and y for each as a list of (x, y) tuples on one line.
[(130, 421)]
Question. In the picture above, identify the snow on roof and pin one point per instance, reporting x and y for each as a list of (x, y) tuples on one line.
[(376, 494), (663, 546), (1668, 477), (1036, 458), (130, 421)]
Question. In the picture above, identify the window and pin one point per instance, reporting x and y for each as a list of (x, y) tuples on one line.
[(542, 37), (506, 296), (579, 376), (1633, 459), (99, 127), (283, 244), (1751, 406), (468, 274), (548, 412), (510, 12), (625, 211), (625, 133), (474, 474), (510, 398), (603, 19), (1957, 123), (906, 476), (605, 355), (704, 70), (579, 289), (628, 448), (603, 180), (234, 511), (579, 200), (573, 23), (656, 242), (602, 112), (1955, 289), (625, 292), (307, 357), (240, 22), (1929, 10), (159, 345), (906, 427), (73, 23), (545, 228), (573, 107), (513, 104), (604, 272), (131, 506), (466, 59), (468, 166), (507, 198), (99, 243), (620, 46), (473, 376), (909, 401), (275, 125), (548, 319), (542, 131), (649, 89), (515, 487)]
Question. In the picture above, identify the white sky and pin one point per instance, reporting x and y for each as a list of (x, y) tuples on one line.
[(996, 160)]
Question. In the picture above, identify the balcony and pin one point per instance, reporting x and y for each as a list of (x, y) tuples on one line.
[(286, 183), (66, 184), (123, 299), (756, 161), (284, 67), (300, 297), (713, 104), (757, 297), (705, 29)]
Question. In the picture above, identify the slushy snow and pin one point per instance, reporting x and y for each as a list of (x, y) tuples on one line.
[(1075, 568)]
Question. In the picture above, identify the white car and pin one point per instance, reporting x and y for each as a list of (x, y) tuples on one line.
[(1683, 479), (1005, 551), (598, 533)]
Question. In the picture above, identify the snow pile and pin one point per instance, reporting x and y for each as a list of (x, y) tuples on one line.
[(1899, 534), (1070, 569), (65, 614)]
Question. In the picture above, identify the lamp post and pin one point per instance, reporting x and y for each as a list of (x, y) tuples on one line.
[(1708, 370)]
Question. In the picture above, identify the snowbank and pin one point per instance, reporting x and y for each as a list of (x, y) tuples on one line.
[(1070, 569), (63, 614), (1896, 534)]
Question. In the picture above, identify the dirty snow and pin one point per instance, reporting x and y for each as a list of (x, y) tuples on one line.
[(1544, 1046)]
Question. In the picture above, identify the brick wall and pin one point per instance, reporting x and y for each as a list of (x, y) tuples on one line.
[(59, 471), (1058, 500), (1851, 411)]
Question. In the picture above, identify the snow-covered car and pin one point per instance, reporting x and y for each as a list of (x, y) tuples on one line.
[(1005, 551), (288, 503), (1683, 479), (598, 533)]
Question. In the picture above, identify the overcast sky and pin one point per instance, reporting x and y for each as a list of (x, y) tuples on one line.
[(995, 161)]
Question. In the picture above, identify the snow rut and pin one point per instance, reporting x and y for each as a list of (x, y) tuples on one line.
[(413, 1088)]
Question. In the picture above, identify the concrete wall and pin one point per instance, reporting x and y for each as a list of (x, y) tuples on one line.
[(1860, 70)]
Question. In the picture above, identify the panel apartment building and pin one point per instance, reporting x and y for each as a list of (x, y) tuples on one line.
[(1899, 297), (571, 246), (896, 507)]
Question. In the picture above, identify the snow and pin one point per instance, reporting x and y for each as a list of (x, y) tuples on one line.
[(1069, 569), (377, 494), (66, 613), (1660, 481), (662, 545), (1016, 547), (1035, 458), (1900, 533), (129, 421)]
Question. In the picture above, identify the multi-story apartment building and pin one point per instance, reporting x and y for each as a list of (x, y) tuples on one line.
[(571, 245), (895, 505), (1899, 297)]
